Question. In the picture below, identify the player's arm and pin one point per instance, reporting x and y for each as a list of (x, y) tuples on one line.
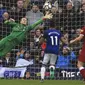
[(10, 22), (37, 23), (77, 39), (82, 33), (47, 16)]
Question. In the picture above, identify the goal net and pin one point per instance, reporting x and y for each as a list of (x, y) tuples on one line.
[(25, 59)]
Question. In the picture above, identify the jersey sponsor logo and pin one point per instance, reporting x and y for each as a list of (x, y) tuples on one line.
[(53, 33)]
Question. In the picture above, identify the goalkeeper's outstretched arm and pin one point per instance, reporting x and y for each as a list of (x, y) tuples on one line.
[(47, 16)]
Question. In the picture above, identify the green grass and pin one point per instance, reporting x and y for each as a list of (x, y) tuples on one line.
[(37, 82)]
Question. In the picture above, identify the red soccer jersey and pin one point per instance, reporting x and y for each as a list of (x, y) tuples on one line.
[(82, 54), (83, 33)]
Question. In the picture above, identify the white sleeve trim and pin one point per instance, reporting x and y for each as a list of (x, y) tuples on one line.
[(81, 34)]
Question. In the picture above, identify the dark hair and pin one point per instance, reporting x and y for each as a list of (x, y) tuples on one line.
[(34, 4), (52, 23)]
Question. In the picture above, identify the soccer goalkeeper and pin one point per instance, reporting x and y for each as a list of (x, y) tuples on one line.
[(19, 32)]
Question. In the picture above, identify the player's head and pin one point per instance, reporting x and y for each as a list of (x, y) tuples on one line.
[(23, 21), (52, 24)]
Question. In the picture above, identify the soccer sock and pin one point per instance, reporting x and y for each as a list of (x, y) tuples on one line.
[(43, 72), (52, 70), (82, 72)]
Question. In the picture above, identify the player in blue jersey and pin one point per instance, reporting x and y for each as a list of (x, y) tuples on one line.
[(52, 38)]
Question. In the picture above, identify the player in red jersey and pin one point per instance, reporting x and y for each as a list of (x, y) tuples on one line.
[(81, 58)]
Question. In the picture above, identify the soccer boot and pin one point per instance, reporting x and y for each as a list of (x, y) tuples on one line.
[(42, 80)]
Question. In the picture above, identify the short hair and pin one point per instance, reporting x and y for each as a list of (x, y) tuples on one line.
[(52, 23), (34, 4)]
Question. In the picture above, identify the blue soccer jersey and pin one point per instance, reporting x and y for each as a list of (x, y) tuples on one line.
[(52, 37)]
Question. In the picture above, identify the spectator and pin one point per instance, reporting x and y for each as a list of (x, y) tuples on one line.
[(68, 19), (3, 16), (82, 2), (81, 16), (23, 54), (29, 57), (26, 60), (20, 54), (77, 45), (65, 58), (34, 14), (1, 63), (32, 45), (62, 2), (2, 11), (18, 12), (38, 2), (65, 36), (76, 3), (37, 56), (38, 35), (8, 60)]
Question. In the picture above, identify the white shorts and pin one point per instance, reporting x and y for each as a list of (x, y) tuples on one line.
[(49, 57)]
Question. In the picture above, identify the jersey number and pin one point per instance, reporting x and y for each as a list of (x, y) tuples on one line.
[(54, 40)]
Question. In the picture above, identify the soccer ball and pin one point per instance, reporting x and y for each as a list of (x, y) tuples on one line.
[(47, 6)]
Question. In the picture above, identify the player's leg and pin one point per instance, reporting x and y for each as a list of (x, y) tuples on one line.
[(9, 45), (52, 65), (2, 46), (2, 43), (43, 68), (80, 65)]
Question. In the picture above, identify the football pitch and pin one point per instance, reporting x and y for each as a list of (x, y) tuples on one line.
[(37, 82)]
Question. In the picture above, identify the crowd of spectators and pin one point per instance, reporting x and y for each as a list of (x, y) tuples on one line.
[(69, 17)]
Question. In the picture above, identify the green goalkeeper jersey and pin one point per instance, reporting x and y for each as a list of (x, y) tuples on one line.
[(19, 32)]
